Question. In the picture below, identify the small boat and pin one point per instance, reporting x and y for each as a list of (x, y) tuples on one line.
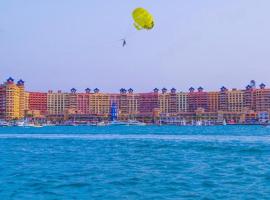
[(101, 124), (4, 124), (199, 123), (135, 123), (128, 123), (118, 123), (34, 125), (20, 123), (48, 124)]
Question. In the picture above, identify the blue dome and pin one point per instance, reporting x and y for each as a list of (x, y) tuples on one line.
[(20, 82), (10, 80), (73, 90)]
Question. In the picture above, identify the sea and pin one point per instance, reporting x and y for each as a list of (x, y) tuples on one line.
[(135, 162)]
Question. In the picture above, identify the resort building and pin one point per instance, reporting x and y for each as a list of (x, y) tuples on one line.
[(235, 100), (12, 100), (83, 102), (38, 102), (223, 99), (197, 99), (22, 106), (251, 105), (148, 102), (2, 101), (127, 103), (132, 103), (262, 99), (213, 101), (99, 103), (164, 101), (57, 103), (26, 101), (181, 98), (173, 101), (249, 98)]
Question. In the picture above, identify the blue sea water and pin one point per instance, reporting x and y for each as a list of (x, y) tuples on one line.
[(151, 162)]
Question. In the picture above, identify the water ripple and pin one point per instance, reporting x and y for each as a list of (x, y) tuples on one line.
[(192, 138), (135, 163)]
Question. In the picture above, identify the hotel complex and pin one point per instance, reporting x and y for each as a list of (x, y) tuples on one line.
[(247, 106)]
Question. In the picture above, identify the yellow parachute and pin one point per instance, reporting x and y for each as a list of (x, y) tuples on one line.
[(142, 19)]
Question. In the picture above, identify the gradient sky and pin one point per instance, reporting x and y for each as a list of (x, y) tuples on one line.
[(59, 44)]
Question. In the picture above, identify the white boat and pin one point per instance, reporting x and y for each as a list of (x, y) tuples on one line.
[(4, 124), (135, 123), (101, 124), (198, 123), (20, 123), (48, 124), (118, 123), (183, 122), (128, 123), (33, 125)]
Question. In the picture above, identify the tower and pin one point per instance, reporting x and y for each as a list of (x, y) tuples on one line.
[(114, 112)]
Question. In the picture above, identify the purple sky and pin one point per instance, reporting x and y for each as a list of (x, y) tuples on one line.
[(62, 44)]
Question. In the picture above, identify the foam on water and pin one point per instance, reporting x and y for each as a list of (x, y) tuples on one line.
[(191, 138)]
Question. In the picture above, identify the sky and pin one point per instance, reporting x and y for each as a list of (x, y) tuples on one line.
[(59, 44)]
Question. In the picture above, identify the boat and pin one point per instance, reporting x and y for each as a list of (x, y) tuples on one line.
[(117, 123), (48, 124), (26, 124), (199, 123), (128, 123), (30, 125), (20, 123), (4, 124), (135, 123), (101, 124)]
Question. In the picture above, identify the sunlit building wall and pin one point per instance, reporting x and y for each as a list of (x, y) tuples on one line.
[(213, 101), (99, 103), (181, 102), (164, 101), (197, 99), (38, 102), (148, 102), (262, 98), (235, 100), (22, 109), (12, 98), (57, 103)]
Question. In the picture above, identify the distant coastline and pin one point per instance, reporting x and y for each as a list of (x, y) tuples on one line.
[(250, 105)]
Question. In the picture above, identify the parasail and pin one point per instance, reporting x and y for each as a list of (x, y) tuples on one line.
[(142, 19)]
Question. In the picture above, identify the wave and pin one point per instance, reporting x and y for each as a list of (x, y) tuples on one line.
[(191, 138)]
